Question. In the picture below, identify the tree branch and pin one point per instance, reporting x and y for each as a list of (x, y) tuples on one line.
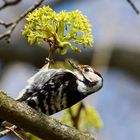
[(75, 118), (7, 131), (133, 6), (14, 23), (37, 123), (9, 3)]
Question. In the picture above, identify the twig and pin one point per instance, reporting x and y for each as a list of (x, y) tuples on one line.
[(133, 6), (9, 3), (13, 130), (7, 131), (13, 24), (76, 118), (9, 128), (8, 33)]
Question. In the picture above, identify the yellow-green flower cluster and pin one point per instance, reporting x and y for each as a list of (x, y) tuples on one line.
[(64, 29)]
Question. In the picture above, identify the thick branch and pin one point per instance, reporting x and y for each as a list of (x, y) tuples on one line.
[(38, 124), (13, 24)]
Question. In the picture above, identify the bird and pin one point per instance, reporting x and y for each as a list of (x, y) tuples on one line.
[(52, 90)]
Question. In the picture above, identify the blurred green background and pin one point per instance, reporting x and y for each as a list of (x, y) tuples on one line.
[(115, 53)]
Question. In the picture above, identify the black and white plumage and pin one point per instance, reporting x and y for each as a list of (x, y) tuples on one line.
[(52, 90)]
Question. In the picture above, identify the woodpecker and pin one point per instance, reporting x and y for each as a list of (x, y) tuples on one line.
[(52, 90)]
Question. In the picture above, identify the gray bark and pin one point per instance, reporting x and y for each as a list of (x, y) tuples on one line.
[(37, 123)]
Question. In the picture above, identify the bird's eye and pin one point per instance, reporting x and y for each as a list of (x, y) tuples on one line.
[(86, 70)]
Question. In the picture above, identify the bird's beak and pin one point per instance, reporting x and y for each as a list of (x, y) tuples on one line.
[(76, 67)]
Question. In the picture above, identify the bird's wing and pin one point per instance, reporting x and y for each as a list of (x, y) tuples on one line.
[(36, 82), (49, 98)]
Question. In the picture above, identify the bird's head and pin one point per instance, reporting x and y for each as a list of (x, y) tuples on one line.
[(89, 79)]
